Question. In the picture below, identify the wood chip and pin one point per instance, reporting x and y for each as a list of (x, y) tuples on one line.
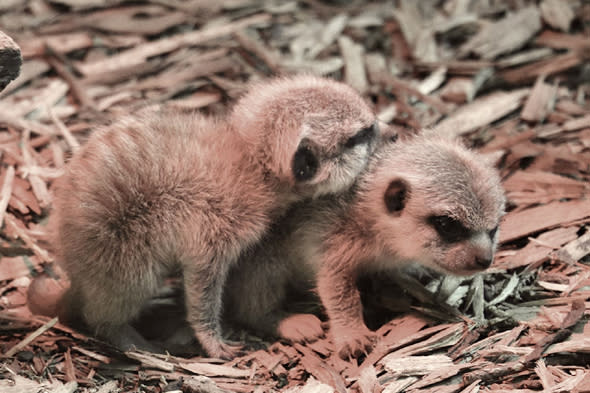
[(141, 53), (492, 40), (481, 112), (539, 102), (547, 216), (557, 14)]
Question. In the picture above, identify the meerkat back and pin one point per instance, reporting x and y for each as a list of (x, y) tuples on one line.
[(153, 192)]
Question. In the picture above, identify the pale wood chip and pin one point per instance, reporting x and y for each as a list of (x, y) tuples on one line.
[(367, 381), (458, 90), (524, 57), (557, 14), (539, 102), (575, 250), (15, 225), (354, 64), (150, 361), (399, 385), (481, 112), (312, 386), (70, 139), (215, 370), (492, 40), (93, 355), (415, 365), (433, 81), (6, 191)]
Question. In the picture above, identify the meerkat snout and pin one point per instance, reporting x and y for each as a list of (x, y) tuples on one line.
[(305, 162)]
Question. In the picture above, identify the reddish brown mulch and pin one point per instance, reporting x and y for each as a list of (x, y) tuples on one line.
[(511, 77)]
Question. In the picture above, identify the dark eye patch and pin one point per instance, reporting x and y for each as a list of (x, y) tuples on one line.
[(492, 233), (449, 229), (363, 136)]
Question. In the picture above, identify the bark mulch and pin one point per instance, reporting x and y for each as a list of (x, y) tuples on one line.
[(510, 77)]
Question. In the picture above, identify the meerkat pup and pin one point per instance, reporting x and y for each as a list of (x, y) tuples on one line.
[(425, 200), (158, 191)]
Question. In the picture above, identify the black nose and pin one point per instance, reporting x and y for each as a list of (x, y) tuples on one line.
[(483, 262)]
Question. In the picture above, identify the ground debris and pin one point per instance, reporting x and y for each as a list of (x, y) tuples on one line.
[(510, 78)]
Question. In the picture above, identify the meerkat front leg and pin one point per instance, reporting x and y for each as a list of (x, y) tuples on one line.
[(342, 300)]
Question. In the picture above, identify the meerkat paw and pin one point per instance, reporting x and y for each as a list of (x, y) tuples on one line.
[(216, 347), (301, 327), (354, 343)]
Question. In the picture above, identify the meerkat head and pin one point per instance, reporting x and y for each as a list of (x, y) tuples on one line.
[(436, 203), (313, 133)]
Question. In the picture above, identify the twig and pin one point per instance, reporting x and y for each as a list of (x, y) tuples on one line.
[(30, 338)]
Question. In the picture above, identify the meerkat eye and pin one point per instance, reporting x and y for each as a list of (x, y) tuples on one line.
[(493, 232), (449, 229), (363, 136), (305, 163)]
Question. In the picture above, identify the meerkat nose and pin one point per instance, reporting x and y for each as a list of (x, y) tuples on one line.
[(483, 262)]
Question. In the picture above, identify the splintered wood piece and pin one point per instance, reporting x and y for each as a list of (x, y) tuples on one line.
[(575, 250), (312, 385), (576, 124), (141, 53), (367, 381), (536, 219), (415, 365), (550, 66), (215, 370), (538, 104), (59, 43), (538, 249), (200, 384), (557, 14), (320, 369), (10, 59), (18, 228), (481, 112), (147, 360), (30, 338), (493, 40), (458, 90)]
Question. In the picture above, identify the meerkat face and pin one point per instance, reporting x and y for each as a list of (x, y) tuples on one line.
[(313, 133), (441, 209), (331, 155)]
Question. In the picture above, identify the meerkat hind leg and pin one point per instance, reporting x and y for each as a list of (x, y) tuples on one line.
[(203, 296)]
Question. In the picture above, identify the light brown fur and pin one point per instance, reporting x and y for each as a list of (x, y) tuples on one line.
[(388, 218), (158, 191)]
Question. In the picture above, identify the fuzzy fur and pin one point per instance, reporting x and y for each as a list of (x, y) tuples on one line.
[(325, 244), (162, 190)]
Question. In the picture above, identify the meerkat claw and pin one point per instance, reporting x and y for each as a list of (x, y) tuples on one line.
[(356, 345)]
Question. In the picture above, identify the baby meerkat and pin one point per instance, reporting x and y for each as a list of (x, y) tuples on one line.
[(158, 191), (425, 200)]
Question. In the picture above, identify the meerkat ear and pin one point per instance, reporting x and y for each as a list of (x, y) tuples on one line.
[(396, 196), (305, 162)]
